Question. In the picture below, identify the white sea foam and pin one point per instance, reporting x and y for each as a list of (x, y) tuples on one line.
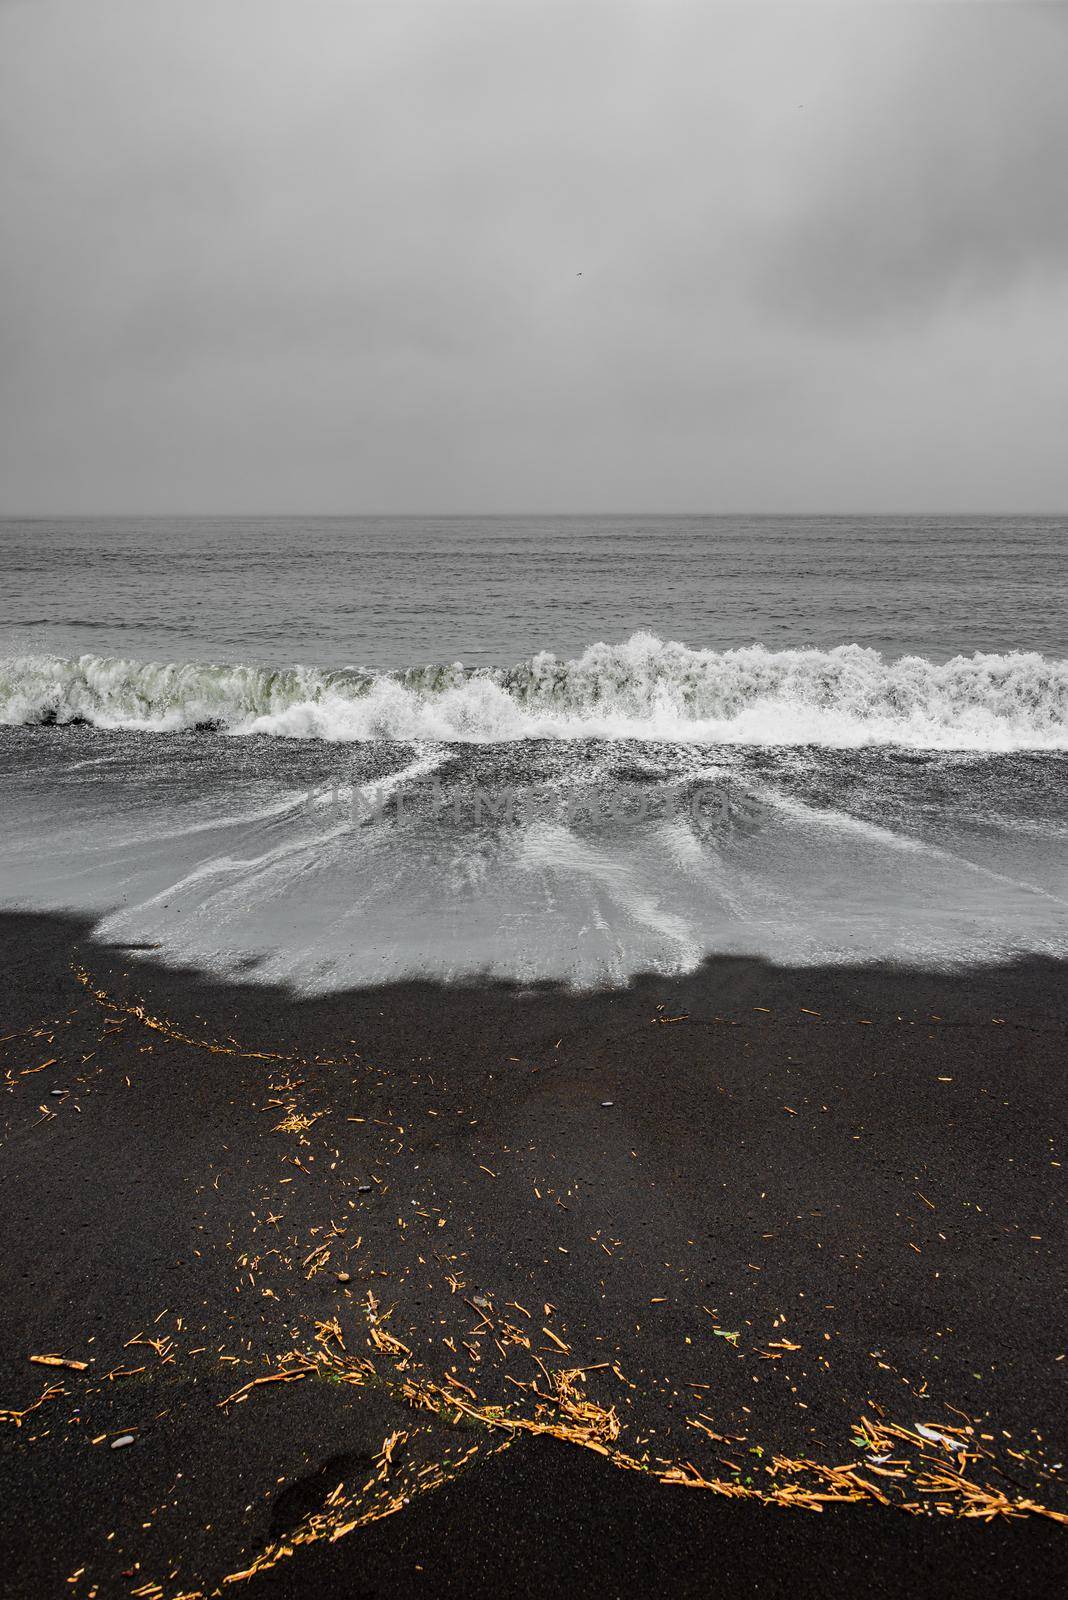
[(641, 689)]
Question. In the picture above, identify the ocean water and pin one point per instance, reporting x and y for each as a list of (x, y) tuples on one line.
[(341, 751)]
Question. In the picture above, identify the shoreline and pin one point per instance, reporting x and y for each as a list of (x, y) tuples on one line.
[(778, 1201)]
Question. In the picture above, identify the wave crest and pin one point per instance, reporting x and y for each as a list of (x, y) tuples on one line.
[(641, 689)]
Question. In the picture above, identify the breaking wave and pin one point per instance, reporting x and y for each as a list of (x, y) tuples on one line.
[(641, 689)]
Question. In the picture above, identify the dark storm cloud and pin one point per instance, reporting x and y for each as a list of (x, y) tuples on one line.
[(264, 254), (954, 178)]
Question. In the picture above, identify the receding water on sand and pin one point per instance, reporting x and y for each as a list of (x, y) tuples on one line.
[(581, 861)]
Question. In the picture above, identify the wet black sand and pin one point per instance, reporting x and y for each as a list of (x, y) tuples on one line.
[(853, 1176)]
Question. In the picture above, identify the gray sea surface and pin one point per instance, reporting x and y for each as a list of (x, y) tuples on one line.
[(389, 592), (328, 752)]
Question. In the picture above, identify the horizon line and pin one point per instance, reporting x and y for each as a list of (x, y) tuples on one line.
[(417, 516)]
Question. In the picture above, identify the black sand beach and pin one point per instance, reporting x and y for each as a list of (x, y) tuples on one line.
[(772, 1216)]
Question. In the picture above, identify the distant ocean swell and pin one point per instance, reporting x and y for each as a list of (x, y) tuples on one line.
[(641, 689)]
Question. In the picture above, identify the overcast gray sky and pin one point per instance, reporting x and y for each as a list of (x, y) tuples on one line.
[(429, 255)]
